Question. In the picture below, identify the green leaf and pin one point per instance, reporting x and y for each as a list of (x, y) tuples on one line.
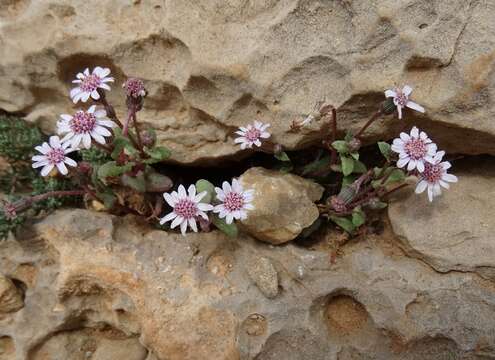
[(348, 136), (282, 156), (137, 182), (122, 143), (344, 223), (376, 184), (359, 167), (340, 146), (355, 155), (397, 175), (156, 182), (157, 154), (385, 149), (108, 197), (111, 169), (348, 180), (285, 168), (377, 171), (317, 165), (358, 217), (205, 185), (347, 165), (228, 229)]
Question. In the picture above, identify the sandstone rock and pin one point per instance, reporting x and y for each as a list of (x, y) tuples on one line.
[(284, 204), (212, 65), (455, 232), (264, 275), (103, 282), (10, 297)]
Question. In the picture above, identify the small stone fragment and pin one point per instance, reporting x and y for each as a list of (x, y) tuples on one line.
[(283, 205), (264, 275)]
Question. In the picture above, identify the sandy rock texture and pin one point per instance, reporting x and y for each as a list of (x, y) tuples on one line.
[(212, 65), (95, 284), (284, 204), (456, 232)]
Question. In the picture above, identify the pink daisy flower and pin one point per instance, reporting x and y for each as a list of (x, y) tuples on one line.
[(414, 149), (53, 154), (401, 99), (89, 83), (435, 176), (235, 201), (187, 207)]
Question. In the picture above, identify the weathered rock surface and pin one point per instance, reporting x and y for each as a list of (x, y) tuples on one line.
[(456, 231), (213, 65), (96, 284), (284, 204), (10, 296)]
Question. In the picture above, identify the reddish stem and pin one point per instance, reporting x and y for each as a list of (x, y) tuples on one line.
[(333, 155), (138, 133), (394, 190), (368, 123), (27, 202), (109, 109)]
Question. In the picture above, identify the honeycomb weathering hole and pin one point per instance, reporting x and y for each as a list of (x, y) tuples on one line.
[(345, 315)]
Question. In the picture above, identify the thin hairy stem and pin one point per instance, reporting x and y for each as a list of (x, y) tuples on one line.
[(368, 123)]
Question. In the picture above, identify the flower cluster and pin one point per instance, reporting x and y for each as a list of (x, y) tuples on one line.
[(79, 129), (418, 153), (187, 207), (128, 154)]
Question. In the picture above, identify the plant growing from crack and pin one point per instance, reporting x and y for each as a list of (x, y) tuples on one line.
[(112, 165), (116, 168), (354, 188)]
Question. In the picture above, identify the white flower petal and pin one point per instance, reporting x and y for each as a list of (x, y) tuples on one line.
[(192, 192), (178, 220), (450, 178), (46, 170), (40, 163), (414, 106), (168, 217), (430, 193), (95, 95), (70, 162), (390, 93), (420, 166), (404, 137), (182, 191), (226, 187), (402, 162), (205, 207), (183, 227), (192, 224), (62, 168), (54, 142), (86, 140), (169, 199), (407, 90)]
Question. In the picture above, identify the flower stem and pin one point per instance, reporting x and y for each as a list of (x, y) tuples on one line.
[(109, 108), (368, 123), (23, 204), (138, 134), (333, 155), (394, 189)]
